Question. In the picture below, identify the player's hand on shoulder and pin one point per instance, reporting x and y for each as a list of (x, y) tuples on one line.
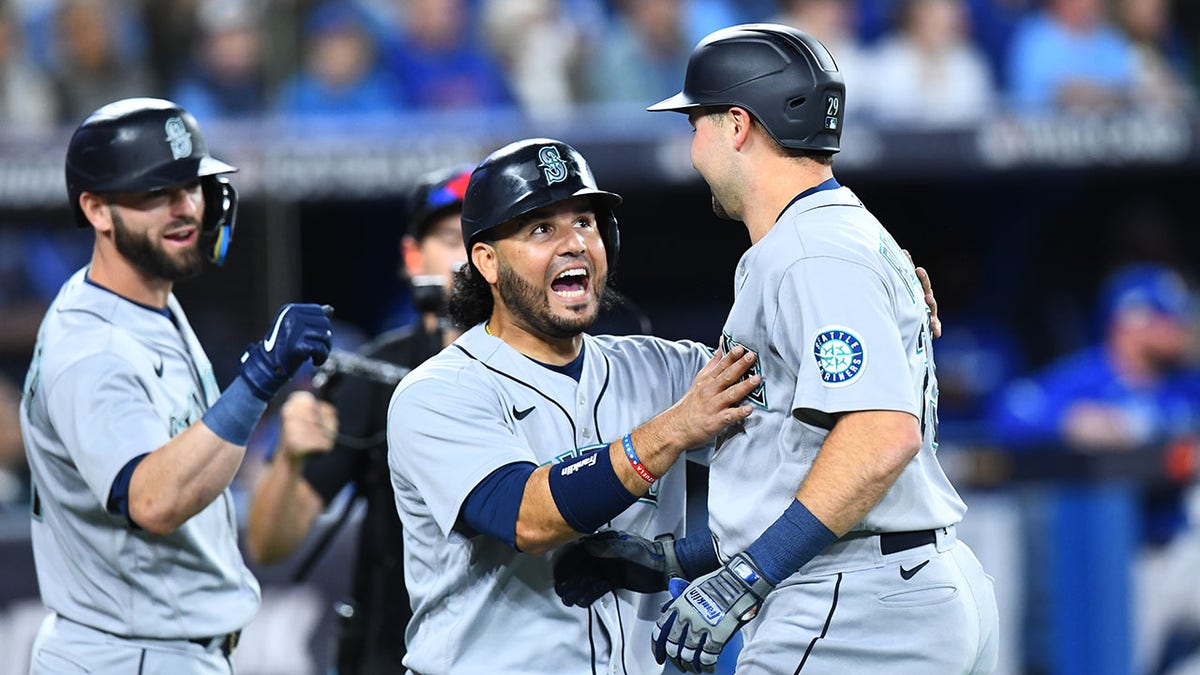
[(935, 324), (300, 332), (307, 425), (717, 397)]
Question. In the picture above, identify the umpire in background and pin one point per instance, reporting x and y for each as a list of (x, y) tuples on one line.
[(131, 446), (314, 460)]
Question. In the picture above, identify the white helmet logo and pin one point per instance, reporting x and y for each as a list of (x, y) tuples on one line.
[(552, 164), (179, 138)]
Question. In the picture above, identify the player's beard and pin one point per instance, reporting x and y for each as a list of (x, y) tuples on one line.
[(148, 256), (530, 307)]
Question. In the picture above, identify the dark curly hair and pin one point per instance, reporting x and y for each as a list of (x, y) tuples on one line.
[(470, 298)]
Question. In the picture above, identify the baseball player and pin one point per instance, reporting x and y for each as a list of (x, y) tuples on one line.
[(834, 522), (324, 445), (130, 444), (527, 432)]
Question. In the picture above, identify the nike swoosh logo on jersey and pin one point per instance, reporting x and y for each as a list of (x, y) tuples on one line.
[(908, 574), (522, 414), (269, 343), (158, 367)]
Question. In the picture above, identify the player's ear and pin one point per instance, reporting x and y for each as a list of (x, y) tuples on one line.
[(410, 253), (484, 257), (739, 125), (96, 209)]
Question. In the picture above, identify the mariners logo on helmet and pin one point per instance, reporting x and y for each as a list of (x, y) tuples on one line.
[(179, 138), (552, 165), (840, 355)]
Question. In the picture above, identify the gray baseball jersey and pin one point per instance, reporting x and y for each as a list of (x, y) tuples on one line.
[(111, 380), (836, 315), (478, 605)]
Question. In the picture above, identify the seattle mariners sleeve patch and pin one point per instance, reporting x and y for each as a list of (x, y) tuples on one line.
[(840, 354)]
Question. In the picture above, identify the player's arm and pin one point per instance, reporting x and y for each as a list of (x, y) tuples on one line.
[(161, 490), (861, 458), (285, 505), (553, 504), (564, 500)]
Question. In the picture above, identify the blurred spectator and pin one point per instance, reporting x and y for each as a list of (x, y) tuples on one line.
[(927, 73), (14, 472), (226, 76), (643, 55), (833, 23), (342, 73), (993, 23), (172, 38), (1069, 56), (437, 58), (1161, 60), (90, 68), (542, 80), (27, 99), (1131, 391), (1125, 392)]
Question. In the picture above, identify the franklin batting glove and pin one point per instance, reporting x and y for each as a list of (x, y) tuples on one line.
[(300, 332), (704, 615), (593, 566)]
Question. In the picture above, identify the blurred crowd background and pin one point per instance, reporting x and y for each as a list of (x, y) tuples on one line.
[(1040, 157), (61, 59)]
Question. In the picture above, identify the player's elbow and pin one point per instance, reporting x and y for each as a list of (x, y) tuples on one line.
[(155, 516), (905, 441), (535, 539)]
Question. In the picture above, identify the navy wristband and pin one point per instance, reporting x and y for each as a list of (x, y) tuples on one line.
[(791, 541), (234, 415), (588, 492), (697, 554)]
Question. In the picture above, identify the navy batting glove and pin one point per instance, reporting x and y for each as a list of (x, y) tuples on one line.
[(301, 332), (593, 566), (705, 614)]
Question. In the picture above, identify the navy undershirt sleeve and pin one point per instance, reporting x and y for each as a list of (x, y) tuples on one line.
[(118, 494), (493, 505)]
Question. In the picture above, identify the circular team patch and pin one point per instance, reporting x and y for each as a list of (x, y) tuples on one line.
[(840, 355)]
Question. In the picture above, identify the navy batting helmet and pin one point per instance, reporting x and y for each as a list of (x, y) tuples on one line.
[(147, 144), (784, 77), (527, 175)]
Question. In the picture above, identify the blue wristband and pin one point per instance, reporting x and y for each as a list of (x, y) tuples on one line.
[(588, 492), (696, 553), (791, 541), (642, 471), (234, 415)]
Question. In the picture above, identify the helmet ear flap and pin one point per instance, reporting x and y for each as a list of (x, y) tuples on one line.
[(220, 216), (612, 237)]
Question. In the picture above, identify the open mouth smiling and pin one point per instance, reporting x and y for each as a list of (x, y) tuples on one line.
[(571, 284)]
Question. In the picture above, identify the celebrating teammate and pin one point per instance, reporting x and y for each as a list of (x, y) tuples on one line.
[(527, 432), (130, 445), (309, 468), (832, 517)]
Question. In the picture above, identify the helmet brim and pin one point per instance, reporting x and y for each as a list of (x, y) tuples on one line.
[(676, 103)]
